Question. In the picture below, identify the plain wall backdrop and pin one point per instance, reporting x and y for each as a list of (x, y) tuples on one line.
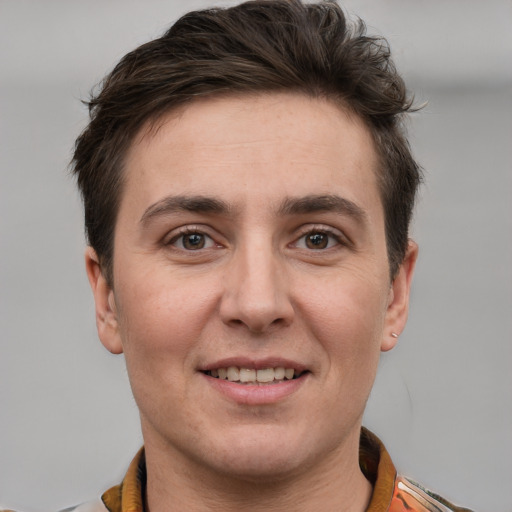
[(443, 398)]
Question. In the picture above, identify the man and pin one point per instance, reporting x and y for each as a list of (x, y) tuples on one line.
[(248, 190)]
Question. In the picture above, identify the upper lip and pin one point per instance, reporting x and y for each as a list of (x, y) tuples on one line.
[(254, 363)]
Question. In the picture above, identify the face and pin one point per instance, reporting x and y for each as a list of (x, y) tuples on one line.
[(251, 288)]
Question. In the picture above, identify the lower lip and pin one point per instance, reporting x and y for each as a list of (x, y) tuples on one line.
[(254, 394)]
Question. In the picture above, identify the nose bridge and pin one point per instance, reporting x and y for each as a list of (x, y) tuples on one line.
[(256, 293)]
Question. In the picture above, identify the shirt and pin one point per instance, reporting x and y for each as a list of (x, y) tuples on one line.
[(391, 492)]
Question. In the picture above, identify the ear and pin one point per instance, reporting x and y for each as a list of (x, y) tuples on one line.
[(398, 302), (106, 313)]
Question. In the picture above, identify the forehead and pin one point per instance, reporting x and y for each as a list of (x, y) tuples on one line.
[(275, 137)]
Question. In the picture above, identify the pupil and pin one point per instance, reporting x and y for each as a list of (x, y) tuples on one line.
[(317, 241), (194, 241)]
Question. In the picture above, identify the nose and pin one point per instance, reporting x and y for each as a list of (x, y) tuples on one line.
[(256, 292)]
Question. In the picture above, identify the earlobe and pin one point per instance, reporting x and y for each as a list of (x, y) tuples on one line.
[(106, 312), (398, 303)]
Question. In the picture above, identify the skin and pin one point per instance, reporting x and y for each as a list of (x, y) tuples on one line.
[(258, 290)]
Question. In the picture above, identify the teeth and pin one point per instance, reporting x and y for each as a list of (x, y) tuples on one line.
[(279, 373), (263, 376), (266, 375), (247, 375), (233, 374)]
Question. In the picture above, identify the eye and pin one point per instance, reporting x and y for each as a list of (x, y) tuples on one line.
[(192, 241), (318, 240)]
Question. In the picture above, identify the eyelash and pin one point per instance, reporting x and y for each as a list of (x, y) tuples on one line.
[(339, 239), (331, 234), (187, 231)]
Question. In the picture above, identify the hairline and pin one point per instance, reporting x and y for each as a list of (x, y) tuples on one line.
[(149, 127)]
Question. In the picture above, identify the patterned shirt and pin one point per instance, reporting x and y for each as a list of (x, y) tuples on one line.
[(391, 492)]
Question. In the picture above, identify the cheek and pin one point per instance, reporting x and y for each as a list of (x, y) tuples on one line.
[(162, 324), (161, 314), (348, 311)]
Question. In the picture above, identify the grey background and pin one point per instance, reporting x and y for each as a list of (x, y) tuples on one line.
[(443, 398)]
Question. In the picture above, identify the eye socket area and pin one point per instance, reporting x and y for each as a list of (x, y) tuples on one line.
[(311, 239), (319, 239), (191, 239)]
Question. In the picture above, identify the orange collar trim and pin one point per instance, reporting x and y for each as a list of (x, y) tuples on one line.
[(375, 462)]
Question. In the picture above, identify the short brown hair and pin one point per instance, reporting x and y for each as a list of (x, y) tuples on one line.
[(255, 47)]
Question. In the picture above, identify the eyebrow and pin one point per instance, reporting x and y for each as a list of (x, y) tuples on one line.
[(290, 206), (322, 203), (174, 204)]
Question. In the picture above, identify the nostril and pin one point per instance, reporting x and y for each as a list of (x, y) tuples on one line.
[(257, 325), (259, 304)]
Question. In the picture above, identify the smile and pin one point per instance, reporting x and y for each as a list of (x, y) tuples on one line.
[(254, 376)]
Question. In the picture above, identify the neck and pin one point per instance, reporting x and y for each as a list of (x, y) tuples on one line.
[(334, 483)]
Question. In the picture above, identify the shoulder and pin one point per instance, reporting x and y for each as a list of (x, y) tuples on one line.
[(90, 506), (409, 495)]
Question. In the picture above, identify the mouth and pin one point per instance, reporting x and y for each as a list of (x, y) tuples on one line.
[(252, 376)]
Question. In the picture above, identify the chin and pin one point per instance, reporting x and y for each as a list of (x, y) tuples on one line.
[(264, 456), (258, 468)]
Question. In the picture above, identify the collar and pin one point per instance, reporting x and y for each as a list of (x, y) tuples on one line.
[(374, 460), (378, 468), (129, 495)]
